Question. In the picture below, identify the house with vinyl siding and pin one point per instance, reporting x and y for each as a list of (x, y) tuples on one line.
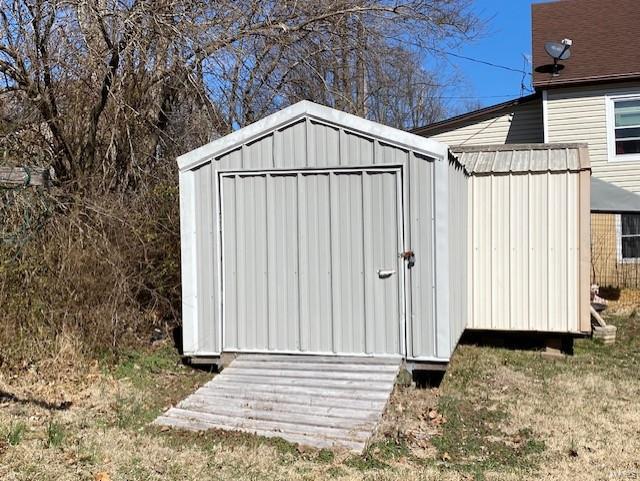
[(594, 99)]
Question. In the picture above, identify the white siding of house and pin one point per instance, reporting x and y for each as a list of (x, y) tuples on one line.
[(578, 114), (522, 124)]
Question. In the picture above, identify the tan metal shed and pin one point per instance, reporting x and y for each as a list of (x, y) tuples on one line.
[(529, 237)]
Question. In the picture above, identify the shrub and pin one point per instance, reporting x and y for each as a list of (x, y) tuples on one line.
[(98, 275)]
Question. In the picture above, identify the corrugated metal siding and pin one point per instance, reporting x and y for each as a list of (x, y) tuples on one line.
[(497, 159), (207, 302), (458, 238), (313, 285), (525, 252), (188, 255), (309, 143), (421, 328), (522, 125), (579, 115)]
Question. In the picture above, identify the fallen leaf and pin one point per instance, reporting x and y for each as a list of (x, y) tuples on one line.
[(102, 476), (302, 449)]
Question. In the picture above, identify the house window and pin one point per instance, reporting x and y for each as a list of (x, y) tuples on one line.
[(624, 128), (629, 237)]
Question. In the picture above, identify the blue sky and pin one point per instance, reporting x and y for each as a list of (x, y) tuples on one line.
[(505, 41)]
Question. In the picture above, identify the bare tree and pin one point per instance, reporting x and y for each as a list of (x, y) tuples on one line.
[(120, 85)]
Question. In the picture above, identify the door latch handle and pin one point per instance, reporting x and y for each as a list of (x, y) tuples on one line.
[(385, 274), (410, 257)]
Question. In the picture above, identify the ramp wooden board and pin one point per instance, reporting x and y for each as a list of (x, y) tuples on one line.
[(317, 401)]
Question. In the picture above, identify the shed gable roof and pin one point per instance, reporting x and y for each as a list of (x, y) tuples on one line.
[(319, 113), (523, 158)]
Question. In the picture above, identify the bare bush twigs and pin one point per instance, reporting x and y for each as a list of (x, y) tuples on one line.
[(105, 90)]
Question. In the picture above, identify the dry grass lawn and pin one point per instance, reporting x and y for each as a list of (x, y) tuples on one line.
[(499, 414)]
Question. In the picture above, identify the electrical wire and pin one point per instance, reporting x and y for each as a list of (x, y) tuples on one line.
[(483, 62), (455, 97)]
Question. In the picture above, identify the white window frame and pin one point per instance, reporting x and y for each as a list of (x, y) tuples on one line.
[(611, 128), (623, 260)]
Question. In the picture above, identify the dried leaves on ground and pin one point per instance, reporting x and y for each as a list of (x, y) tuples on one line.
[(498, 414)]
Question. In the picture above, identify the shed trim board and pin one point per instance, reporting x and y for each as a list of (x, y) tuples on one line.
[(393, 169), (189, 271)]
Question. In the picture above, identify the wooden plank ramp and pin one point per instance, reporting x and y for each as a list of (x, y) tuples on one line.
[(318, 401)]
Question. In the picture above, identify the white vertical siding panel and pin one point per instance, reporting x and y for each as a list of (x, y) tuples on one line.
[(205, 218), (189, 261), (324, 145), (306, 227), (273, 240), (259, 154), (466, 228), (283, 262), (348, 226), (573, 254), (458, 251), (260, 262), (558, 281), (374, 307), (291, 256), (290, 146), (388, 325), (229, 216), (538, 253), (462, 254), (420, 285), (482, 252), (322, 287), (355, 307), (248, 253), (421, 321), (230, 161), (388, 154), (471, 252), (337, 255), (519, 258), (500, 251), (286, 261), (355, 150), (441, 265), (241, 265)]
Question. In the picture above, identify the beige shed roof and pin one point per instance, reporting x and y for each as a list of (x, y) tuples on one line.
[(522, 158)]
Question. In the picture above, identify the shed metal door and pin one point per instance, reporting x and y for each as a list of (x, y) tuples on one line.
[(301, 255)]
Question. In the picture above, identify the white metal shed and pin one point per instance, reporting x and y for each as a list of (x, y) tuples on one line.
[(529, 237), (318, 232)]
